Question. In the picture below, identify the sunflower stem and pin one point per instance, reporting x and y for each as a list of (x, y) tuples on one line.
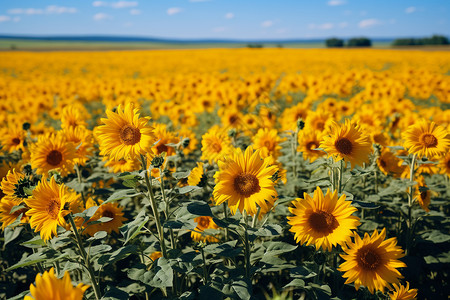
[(294, 151), (85, 257), (225, 212), (410, 204), (205, 271), (151, 197), (80, 180), (341, 176), (247, 247), (255, 217)]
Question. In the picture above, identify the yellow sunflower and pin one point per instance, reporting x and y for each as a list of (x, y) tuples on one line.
[(6, 217), (122, 165), (347, 142), (426, 139), (444, 165), (203, 223), (164, 137), (402, 292), (47, 207), (372, 261), (268, 141), (324, 221), (308, 140), (48, 286), (124, 134), (73, 116), (13, 138), (390, 164), (13, 185), (245, 180), (197, 176), (423, 194), (82, 139), (110, 210), (52, 153), (187, 134), (215, 144)]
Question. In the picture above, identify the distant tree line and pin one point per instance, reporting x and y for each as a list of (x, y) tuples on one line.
[(353, 42), (434, 40)]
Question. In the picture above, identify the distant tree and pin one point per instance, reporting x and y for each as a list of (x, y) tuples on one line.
[(434, 40), (405, 42), (334, 43), (359, 42), (255, 45)]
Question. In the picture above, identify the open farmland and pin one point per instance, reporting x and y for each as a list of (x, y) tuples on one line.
[(226, 173)]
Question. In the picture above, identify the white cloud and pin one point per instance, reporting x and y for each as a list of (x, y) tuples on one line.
[(410, 10), (135, 12), (343, 25), (336, 2), (51, 9), (267, 24), (368, 23), (101, 17), (324, 26), (118, 4), (229, 15), (173, 11), (5, 18), (219, 29)]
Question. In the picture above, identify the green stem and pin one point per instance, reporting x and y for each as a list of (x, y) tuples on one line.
[(294, 151), (225, 212), (85, 258), (247, 247), (205, 271), (341, 176), (255, 217), (80, 180), (410, 204), (151, 197)]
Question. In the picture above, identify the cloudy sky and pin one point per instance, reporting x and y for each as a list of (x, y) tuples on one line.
[(233, 19)]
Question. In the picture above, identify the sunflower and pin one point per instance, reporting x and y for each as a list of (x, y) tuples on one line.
[(48, 286), (164, 137), (347, 142), (444, 164), (52, 153), (13, 185), (186, 134), (72, 116), (325, 221), (268, 141), (124, 134), (7, 217), (13, 138), (402, 292), (215, 144), (390, 164), (197, 176), (423, 194), (122, 165), (47, 207), (426, 139), (109, 210), (82, 139), (245, 180), (372, 261), (203, 223), (308, 140), (318, 120)]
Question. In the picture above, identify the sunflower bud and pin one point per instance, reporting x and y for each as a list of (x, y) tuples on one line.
[(26, 126), (300, 124), (157, 161)]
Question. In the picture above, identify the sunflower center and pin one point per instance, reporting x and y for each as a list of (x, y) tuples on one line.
[(429, 140), (323, 222), (268, 145), (383, 163), (216, 147), (16, 141), (448, 163), (162, 148), (130, 135), (203, 223), (320, 125), (54, 158), (53, 208), (311, 146), (368, 259), (246, 184), (108, 214), (423, 195), (344, 146)]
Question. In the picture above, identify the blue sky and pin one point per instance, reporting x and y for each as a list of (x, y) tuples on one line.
[(229, 19)]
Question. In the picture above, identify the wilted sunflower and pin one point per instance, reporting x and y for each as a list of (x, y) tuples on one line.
[(109, 210), (203, 223), (308, 140), (426, 139), (48, 286), (402, 292), (124, 134), (197, 176), (347, 142), (245, 180), (372, 261), (324, 221), (215, 144), (47, 207), (52, 153)]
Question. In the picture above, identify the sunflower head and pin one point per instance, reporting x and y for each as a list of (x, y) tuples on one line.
[(347, 142), (215, 144), (109, 210), (197, 176), (203, 223), (322, 220), (402, 292)]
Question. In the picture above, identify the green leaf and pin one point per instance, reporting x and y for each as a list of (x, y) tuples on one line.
[(35, 242), (113, 293), (11, 234), (98, 236), (132, 229), (188, 189), (181, 175), (16, 208), (365, 205), (117, 255), (199, 208), (30, 260), (227, 249), (296, 283), (131, 183), (121, 194), (269, 230), (276, 248), (436, 237), (242, 289)]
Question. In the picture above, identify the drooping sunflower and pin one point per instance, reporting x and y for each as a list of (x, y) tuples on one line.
[(203, 223), (308, 140), (245, 180), (48, 286), (402, 292), (268, 141), (324, 221), (110, 210), (52, 152), (347, 142), (124, 134), (215, 144), (197, 176), (372, 261), (47, 207), (426, 139)]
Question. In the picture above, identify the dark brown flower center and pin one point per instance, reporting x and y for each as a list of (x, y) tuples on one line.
[(368, 258), (344, 146), (53, 208), (216, 147), (323, 222), (161, 147), (429, 140), (311, 146), (130, 135), (269, 145), (203, 222), (108, 214), (383, 163), (54, 158), (233, 119), (448, 163), (423, 195), (16, 141), (320, 125), (246, 184)]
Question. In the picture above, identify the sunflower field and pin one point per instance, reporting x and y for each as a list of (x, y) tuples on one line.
[(225, 174)]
